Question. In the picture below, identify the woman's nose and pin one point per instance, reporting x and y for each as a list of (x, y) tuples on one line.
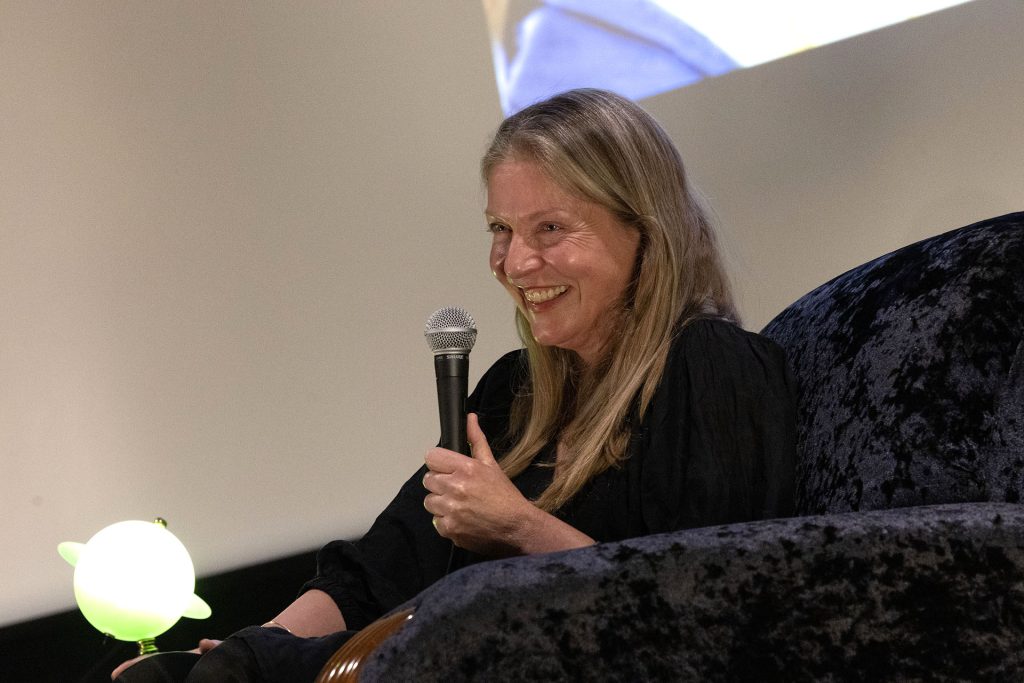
[(521, 258)]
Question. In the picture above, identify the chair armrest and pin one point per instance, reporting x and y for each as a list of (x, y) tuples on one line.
[(345, 665), (894, 593)]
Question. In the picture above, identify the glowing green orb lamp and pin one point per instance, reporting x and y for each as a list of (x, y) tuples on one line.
[(134, 580)]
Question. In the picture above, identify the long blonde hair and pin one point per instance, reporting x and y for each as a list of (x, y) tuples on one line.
[(606, 149)]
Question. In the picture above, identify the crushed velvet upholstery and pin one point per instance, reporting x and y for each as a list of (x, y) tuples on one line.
[(908, 563), (910, 371), (855, 596)]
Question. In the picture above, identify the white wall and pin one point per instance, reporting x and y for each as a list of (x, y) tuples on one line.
[(222, 226), (824, 160)]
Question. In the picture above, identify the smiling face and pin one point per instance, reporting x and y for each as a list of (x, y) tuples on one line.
[(566, 261)]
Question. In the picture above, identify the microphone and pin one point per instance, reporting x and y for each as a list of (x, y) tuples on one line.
[(451, 333)]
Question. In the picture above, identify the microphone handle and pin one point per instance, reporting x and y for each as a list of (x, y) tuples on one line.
[(452, 371)]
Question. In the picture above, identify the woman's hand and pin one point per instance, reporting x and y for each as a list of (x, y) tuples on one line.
[(474, 504), (205, 645)]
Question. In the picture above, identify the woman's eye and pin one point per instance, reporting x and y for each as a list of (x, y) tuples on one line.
[(497, 227), (549, 227)]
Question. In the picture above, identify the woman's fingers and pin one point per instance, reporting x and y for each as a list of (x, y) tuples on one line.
[(207, 644), (442, 461), (432, 503), (479, 448)]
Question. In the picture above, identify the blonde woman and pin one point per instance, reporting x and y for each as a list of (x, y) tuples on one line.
[(637, 406)]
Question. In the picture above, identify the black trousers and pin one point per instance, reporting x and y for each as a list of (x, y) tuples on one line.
[(252, 655)]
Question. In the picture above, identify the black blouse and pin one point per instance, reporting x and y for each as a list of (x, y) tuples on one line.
[(716, 446)]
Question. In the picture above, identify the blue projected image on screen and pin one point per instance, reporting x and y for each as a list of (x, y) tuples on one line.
[(640, 48)]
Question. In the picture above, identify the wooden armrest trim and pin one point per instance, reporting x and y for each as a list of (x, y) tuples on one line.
[(345, 664)]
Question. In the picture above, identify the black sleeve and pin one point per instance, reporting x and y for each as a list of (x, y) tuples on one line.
[(402, 554), (720, 442)]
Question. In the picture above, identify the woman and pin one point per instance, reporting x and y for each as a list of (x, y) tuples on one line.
[(638, 405)]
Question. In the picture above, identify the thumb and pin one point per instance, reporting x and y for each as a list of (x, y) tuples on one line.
[(478, 446)]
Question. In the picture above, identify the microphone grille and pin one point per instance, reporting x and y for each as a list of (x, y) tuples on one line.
[(450, 329)]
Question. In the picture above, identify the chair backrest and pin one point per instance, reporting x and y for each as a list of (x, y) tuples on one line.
[(910, 370)]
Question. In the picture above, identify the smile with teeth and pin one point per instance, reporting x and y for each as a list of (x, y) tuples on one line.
[(539, 296)]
